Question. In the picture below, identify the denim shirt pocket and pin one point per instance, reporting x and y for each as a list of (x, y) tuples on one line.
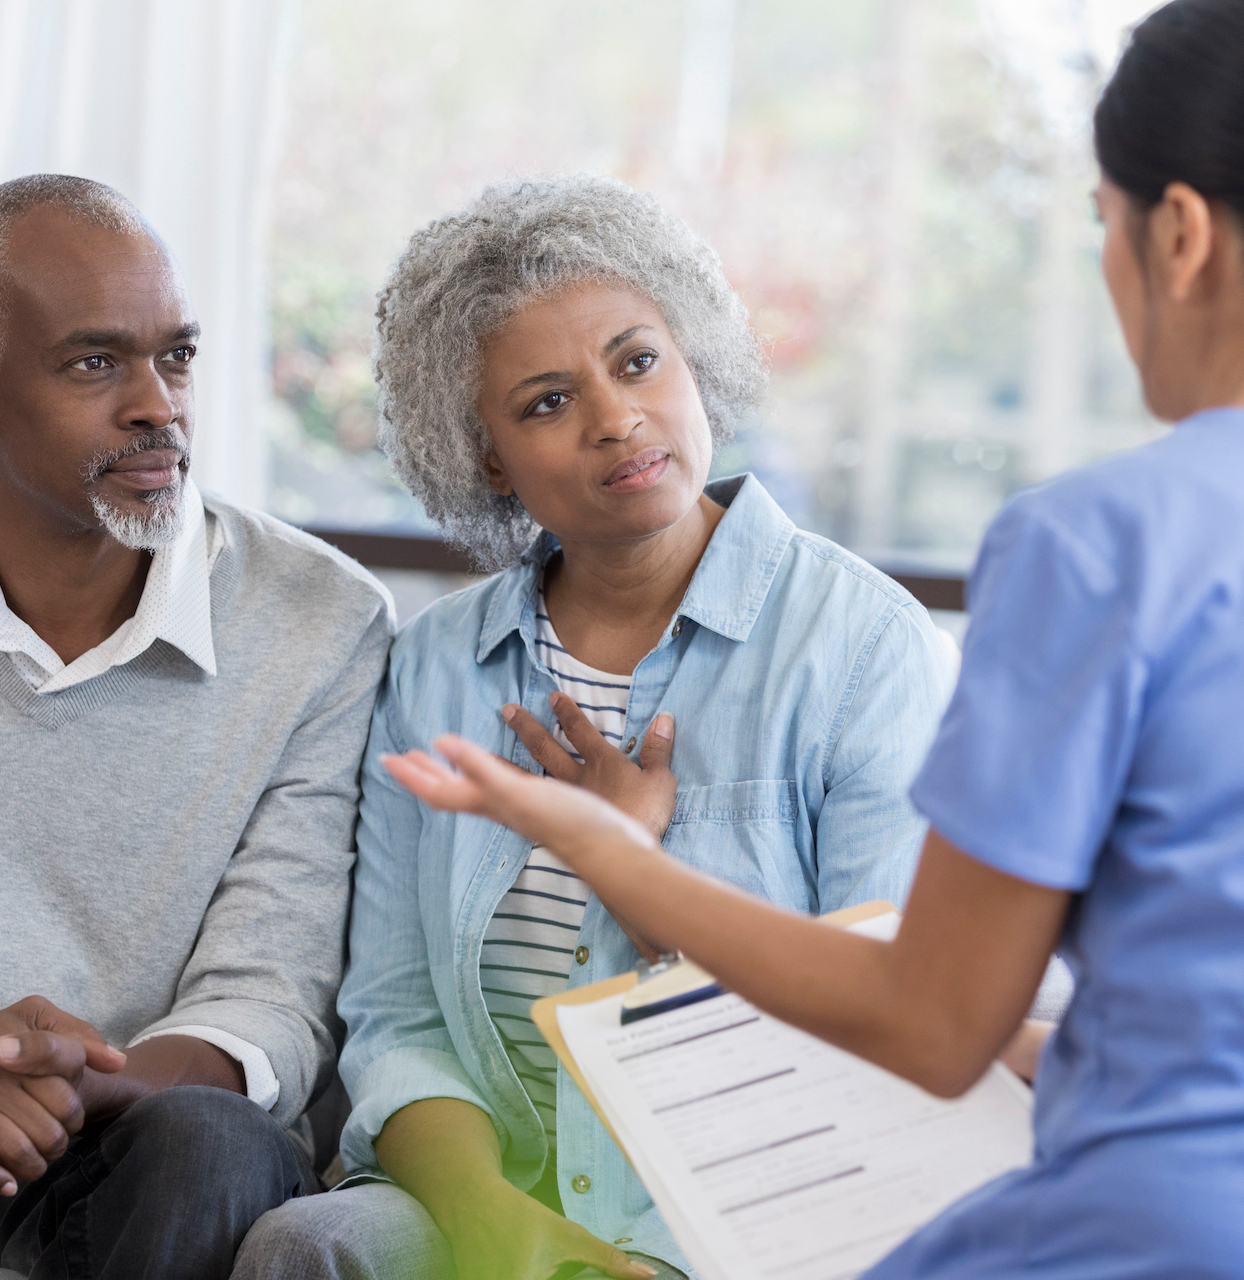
[(743, 832)]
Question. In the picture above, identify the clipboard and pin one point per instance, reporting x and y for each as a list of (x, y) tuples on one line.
[(763, 1147), (544, 1011)]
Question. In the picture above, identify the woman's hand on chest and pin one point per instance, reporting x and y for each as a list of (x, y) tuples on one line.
[(644, 790)]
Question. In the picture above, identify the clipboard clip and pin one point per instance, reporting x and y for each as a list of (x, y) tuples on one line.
[(669, 983), (662, 964)]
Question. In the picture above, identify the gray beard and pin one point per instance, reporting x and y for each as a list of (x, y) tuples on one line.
[(158, 526)]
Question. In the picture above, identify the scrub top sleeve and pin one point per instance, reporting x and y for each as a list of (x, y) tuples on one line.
[(1029, 763)]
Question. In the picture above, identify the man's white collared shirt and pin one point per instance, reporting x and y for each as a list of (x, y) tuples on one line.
[(176, 606)]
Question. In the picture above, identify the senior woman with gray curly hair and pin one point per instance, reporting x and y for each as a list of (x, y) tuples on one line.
[(555, 363)]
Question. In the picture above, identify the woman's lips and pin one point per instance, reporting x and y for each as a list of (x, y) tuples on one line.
[(640, 471)]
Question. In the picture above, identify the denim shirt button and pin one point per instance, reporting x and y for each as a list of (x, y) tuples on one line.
[(630, 746), (624, 1240), (677, 631), (581, 954), (581, 1183)]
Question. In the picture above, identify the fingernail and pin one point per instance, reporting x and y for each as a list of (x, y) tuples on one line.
[(664, 729), (10, 1048), (8, 1188), (116, 1053), (642, 1269), (508, 711)]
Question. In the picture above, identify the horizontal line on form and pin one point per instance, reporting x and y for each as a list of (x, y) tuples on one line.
[(790, 1191), (700, 1035), (769, 1146), (717, 1093)]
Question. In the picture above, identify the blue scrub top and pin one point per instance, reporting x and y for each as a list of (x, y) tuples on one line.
[(1096, 743)]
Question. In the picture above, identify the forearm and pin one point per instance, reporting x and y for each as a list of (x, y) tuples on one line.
[(156, 1064), (936, 1006), (774, 958), (444, 1152)]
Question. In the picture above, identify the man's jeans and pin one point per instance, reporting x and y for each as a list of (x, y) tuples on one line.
[(165, 1191)]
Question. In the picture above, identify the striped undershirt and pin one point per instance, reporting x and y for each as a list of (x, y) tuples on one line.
[(530, 942)]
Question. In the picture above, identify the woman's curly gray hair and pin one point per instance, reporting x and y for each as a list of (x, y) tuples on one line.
[(463, 276)]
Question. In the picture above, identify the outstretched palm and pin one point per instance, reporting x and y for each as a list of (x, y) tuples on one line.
[(575, 824)]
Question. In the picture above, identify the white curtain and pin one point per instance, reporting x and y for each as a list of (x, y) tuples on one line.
[(175, 103)]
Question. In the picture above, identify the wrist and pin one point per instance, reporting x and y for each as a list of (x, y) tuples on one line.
[(105, 1094), (618, 845), (463, 1199)]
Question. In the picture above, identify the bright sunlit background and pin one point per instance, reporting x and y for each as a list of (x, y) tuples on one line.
[(898, 188)]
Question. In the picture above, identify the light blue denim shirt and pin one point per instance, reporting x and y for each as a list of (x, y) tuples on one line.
[(805, 686)]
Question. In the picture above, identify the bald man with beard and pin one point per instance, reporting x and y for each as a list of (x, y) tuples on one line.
[(185, 691)]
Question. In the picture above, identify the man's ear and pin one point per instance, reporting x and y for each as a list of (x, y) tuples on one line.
[(1181, 237), (495, 474)]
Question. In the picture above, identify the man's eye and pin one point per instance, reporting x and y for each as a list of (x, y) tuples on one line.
[(640, 363), (548, 404), (181, 355), (91, 364)]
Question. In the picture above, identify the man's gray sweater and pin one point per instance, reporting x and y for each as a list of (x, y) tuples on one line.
[(175, 848)]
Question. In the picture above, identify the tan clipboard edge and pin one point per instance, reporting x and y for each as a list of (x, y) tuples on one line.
[(848, 916), (544, 1012)]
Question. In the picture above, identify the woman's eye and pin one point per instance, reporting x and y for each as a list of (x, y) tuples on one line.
[(640, 363), (181, 355), (91, 364), (548, 404)]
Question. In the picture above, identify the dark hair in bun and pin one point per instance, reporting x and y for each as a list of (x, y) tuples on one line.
[(1174, 109)]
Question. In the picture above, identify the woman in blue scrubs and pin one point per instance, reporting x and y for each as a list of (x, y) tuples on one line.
[(1088, 780)]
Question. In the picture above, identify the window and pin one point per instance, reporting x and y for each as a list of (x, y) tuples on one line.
[(898, 188)]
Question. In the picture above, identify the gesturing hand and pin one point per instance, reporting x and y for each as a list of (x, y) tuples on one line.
[(43, 1052), (586, 832), (645, 790)]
